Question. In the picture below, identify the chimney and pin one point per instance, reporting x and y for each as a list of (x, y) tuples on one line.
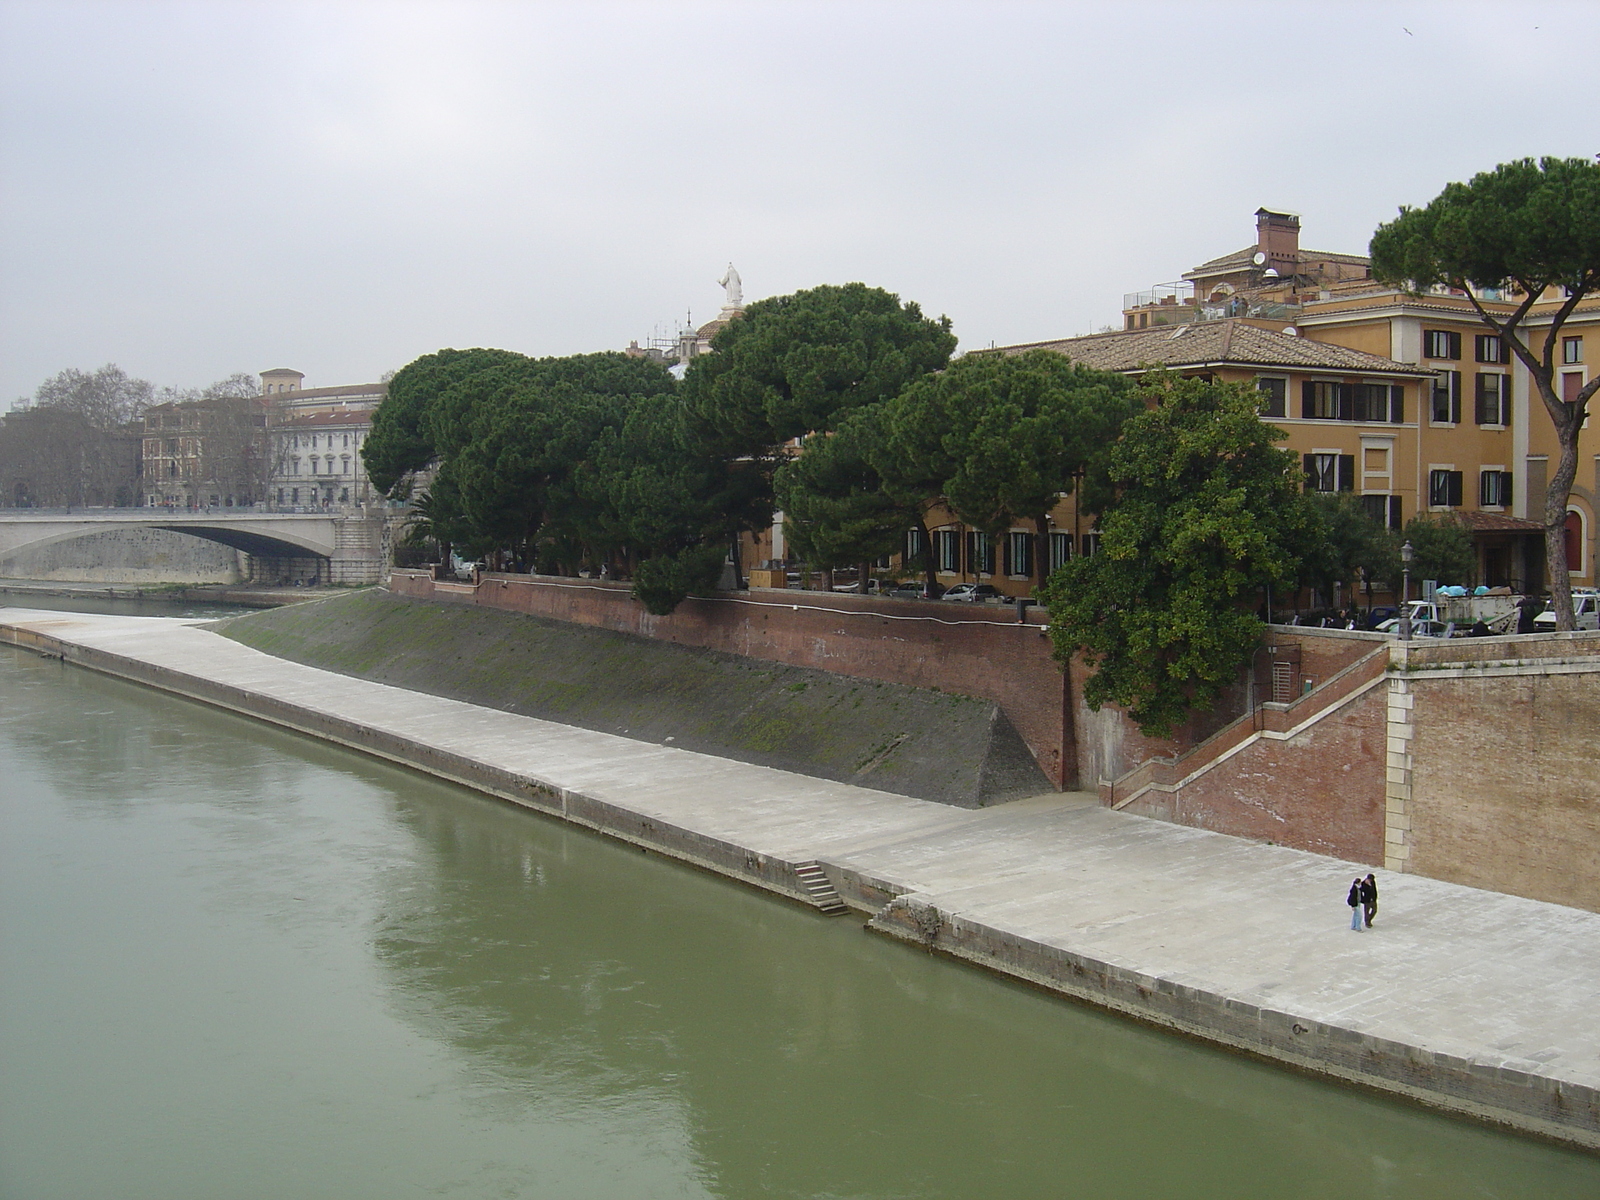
[(1278, 237)]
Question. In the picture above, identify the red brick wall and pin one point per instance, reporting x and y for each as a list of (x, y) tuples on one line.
[(974, 650), (1320, 790)]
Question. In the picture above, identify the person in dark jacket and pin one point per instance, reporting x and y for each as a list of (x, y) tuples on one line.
[(1528, 608), (1369, 899), (1354, 901)]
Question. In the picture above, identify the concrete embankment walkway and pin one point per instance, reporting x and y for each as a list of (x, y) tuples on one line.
[(1469, 1001)]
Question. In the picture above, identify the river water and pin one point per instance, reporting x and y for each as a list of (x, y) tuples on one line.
[(240, 963)]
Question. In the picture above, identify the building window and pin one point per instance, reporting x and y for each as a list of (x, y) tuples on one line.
[(1330, 472), (947, 551), (344, 464), (1493, 399), (1274, 397), (1572, 350), (1571, 385), (1494, 489), (294, 495), (1019, 554), (1091, 544), (1444, 489), (1491, 348), (914, 545), (1372, 402), (1447, 398), (1385, 510), (1060, 550), (980, 554), (1320, 401), (1441, 343)]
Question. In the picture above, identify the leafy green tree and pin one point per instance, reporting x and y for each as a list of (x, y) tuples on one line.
[(1008, 436), (794, 365), (1441, 550), (666, 502), (1207, 512), (1348, 546), (836, 509), (402, 439), (1534, 228)]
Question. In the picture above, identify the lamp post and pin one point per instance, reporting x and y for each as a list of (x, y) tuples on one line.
[(1406, 553)]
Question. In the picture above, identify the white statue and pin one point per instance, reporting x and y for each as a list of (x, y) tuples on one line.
[(730, 282)]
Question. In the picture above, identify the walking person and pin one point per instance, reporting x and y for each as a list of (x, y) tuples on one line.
[(1354, 901), (1369, 899)]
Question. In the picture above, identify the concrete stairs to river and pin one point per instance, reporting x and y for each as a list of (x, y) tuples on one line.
[(821, 893)]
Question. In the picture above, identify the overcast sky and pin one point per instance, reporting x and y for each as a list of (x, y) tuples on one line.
[(194, 189)]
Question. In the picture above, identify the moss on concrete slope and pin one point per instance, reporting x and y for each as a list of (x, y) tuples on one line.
[(915, 741)]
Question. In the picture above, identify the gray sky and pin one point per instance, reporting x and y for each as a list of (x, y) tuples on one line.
[(193, 189)]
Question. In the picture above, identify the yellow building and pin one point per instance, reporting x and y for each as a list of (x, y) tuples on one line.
[(1480, 447)]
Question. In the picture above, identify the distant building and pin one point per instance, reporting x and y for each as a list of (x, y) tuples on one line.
[(290, 445), (206, 453), (318, 458)]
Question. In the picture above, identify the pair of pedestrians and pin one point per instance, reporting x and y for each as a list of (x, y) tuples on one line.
[(1363, 902)]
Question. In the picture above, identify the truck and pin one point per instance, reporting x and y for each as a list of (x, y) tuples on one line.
[(1496, 608)]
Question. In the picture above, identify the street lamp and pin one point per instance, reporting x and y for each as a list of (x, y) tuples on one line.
[(1406, 553)]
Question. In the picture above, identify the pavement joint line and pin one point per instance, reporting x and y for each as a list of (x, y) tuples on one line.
[(1238, 943)]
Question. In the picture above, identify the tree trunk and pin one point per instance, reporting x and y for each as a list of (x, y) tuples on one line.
[(1041, 552), (861, 577), (1555, 524), (929, 580)]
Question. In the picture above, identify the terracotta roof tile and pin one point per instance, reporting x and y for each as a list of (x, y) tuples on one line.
[(1483, 522), (1215, 343)]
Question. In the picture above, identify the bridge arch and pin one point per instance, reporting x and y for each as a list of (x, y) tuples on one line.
[(286, 539)]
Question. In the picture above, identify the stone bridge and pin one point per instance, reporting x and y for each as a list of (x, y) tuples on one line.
[(342, 546)]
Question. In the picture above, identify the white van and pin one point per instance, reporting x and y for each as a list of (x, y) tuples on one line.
[(1585, 607)]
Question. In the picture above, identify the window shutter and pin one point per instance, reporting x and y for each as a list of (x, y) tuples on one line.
[(1308, 399), (1309, 461), (1397, 404), (1455, 397), (1005, 556), (1347, 472), (1455, 344), (972, 553), (1505, 400), (1394, 513), (1455, 489), (1346, 399), (1505, 487)]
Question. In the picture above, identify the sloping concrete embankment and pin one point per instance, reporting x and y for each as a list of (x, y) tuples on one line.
[(916, 741), (1468, 1001)]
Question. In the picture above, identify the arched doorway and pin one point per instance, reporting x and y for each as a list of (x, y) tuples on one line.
[(1573, 534)]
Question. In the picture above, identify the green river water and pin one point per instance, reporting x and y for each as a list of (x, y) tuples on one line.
[(235, 962)]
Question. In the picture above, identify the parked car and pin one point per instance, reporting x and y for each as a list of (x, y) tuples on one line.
[(1585, 608), (910, 590), (972, 592), (1421, 629)]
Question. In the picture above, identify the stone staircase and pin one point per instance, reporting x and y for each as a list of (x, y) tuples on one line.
[(818, 890)]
